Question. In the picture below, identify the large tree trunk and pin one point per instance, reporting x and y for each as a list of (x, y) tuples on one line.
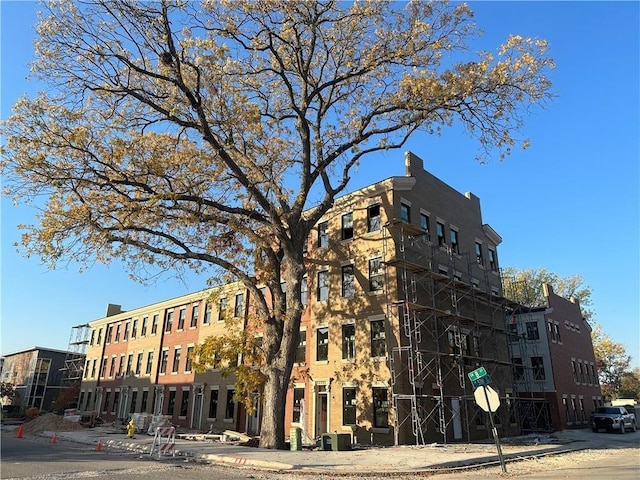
[(274, 402), (281, 338)]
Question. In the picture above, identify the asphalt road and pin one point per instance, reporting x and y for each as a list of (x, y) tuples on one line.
[(38, 459)]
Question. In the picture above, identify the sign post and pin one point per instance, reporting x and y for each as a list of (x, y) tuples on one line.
[(489, 400)]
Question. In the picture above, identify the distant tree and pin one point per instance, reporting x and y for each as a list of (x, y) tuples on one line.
[(66, 397), (7, 390), (214, 135), (630, 384), (612, 360), (525, 287)]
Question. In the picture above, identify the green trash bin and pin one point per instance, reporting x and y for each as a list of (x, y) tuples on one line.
[(295, 438), (336, 441)]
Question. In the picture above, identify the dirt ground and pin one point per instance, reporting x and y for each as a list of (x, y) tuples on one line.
[(50, 422)]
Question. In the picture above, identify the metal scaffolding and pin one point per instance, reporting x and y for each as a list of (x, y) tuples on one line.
[(76, 353), (450, 312)]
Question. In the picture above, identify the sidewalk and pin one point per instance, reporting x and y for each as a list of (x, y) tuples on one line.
[(435, 457)]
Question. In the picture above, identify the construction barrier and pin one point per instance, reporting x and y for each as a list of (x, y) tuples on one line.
[(165, 440)]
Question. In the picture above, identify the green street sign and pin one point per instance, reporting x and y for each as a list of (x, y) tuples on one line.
[(479, 382), (477, 373)]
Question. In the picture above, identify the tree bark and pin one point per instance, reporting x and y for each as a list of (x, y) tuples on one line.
[(274, 403)]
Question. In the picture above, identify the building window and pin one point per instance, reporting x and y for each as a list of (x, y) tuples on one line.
[(378, 338), (112, 368), (348, 406), (239, 302), (583, 414), (149, 363), (143, 401), (129, 363), (114, 405), (323, 235), (304, 291), (168, 322), (222, 309), (348, 341), (230, 405), (109, 334), (454, 240), (405, 213), (125, 334), (375, 274), (93, 333), (424, 226), (538, 368), (121, 366), (182, 315), (380, 407), (103, 367), (556, 333), (373, 218), (184, 404), (440, 233), (134, 329), (322, 344), (118, 327), (323, 286), (139, 364), (213, 404), (172, 403), (134, 400), (176, 359), (493, 264), (298, 400), (348, 281), (479, 258), (187, 367), (154, 325), (301, 349), (195, 310), (347, 226), (107, 397), (99, 337), (143, 329), (207, 314), (532, 331), (163, 361)]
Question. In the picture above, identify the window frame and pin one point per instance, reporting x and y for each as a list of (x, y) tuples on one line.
[(348, 341), (346, 230), (378, 338), (376, 275), (323, 235), (322, 344), (322, 287), (373, 219)]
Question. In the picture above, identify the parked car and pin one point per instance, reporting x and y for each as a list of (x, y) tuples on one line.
[(613, 419)]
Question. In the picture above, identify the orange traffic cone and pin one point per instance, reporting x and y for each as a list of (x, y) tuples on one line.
[(19, 432), (54, 439), (99, 446)]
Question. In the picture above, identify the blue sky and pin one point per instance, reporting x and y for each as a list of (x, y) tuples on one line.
[(570, 203)]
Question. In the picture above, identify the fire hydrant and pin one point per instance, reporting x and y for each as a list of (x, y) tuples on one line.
[(131, 428)]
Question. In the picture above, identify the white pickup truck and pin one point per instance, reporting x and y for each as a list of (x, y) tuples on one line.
[(613, 419)]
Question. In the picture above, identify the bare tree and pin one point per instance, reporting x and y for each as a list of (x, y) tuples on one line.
[(187, 135)]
